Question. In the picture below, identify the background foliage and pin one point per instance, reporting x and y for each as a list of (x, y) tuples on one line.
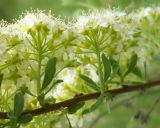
[(11, 9)]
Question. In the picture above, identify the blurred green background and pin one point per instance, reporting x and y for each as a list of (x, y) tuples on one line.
[(123, 115), (12, 9)]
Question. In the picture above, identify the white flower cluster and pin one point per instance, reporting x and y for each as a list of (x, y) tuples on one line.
[(137, 32), (20, 43)]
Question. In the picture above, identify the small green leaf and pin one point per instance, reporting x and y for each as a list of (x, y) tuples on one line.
[(107, 67), (132, 64), (49, 73), (89, 82), (40, 98), (76, 107), (54, 83), (24, 90), (71, 63), (112, 60), (119, 72), (137, 72), (25, 119), (86, 111), (95, 105), (115, 68), (50, 100), (1, 78), (18, 104), (98, 103)]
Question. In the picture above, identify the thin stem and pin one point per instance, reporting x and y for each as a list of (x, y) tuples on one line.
[(70, 126), (39, 76), (100, 73), (39, 50)]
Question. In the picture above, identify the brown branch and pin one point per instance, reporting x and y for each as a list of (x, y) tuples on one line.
[(70, 102)]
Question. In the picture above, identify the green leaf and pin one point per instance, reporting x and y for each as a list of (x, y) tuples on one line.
[(107, 67), (112, 60), (89, 82), (71, 63), (98, 103), (1, 78), (57, 82), (50, 100), (25, 119), (86, 111), (49, 73), (54, 83), (40, 98), (24, 90), (76, 107), (18, 104), (137, 72), (95, 105), (119, 72), (132, 64), (115, 68)]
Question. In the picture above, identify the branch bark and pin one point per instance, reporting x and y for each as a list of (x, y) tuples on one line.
[(86, 97)]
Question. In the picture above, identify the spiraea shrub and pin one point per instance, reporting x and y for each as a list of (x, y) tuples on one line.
[(45, 60)]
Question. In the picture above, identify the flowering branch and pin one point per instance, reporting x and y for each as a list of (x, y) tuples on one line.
[(85, 97), (91, 53)]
